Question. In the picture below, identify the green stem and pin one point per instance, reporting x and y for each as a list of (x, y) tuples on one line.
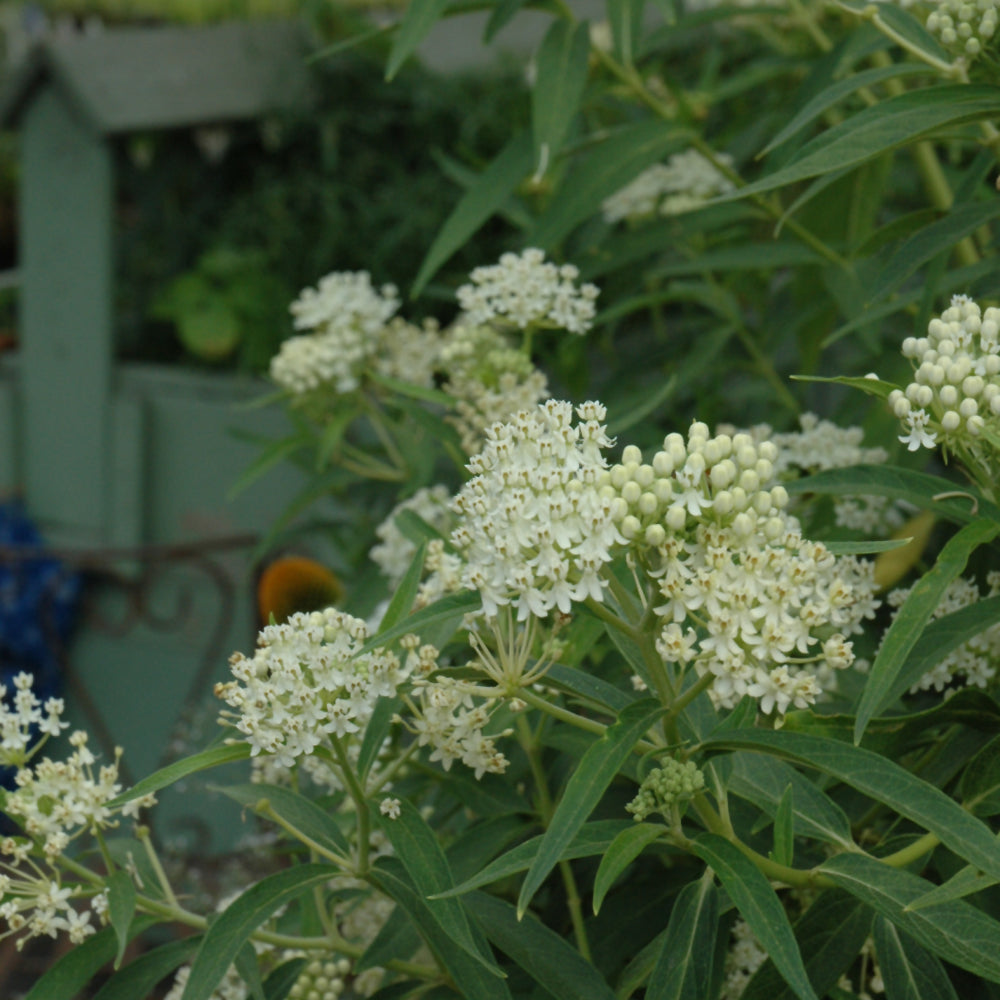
[(361, 810), (392, 770), (142, 833), (602, 611), (546, 811), (921, 846), (702, 684), (265, 809)]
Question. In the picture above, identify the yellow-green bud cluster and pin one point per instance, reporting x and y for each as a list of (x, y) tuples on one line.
[(665, 786), (955, 394), (725, 479), (964, 24), (321, 979)]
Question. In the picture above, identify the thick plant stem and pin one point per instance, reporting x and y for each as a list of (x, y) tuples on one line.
[(361, 810), (546, 810)]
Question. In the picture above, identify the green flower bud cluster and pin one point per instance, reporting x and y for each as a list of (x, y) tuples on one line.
[(725, 479), (321, 979), (665, 786)]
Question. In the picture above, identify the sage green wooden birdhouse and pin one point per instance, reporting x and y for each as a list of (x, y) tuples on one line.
[(80, 441)]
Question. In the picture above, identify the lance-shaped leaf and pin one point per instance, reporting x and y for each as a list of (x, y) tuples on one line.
[(759, 907), (479, 203), (877, 129), (471, 976), (909, 972), (624, 849), (547, 957), (881, 780), (561, 68), (830, 935), (964, 882), (913, 616), (121, 909), (416, 846), (77, 967), (231, 931), (418, 19), (139, 977), (599, 765), (683, 968), (956, 931)]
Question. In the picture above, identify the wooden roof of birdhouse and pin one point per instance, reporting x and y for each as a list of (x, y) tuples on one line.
[(128, 79)]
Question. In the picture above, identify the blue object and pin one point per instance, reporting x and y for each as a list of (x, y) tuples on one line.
[(38, 602)]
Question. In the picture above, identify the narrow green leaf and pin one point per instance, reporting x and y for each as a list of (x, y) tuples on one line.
[(934, 239), (881, 780), (836, 92), (483, 200), (957, 932), (213, 757), (295, 809), (913, 616), (639, 971), (121, 909), (588, 687), (932, 493), (759, 907), (980, 782), (941, 637), (866, 548), (375, 733), (333, 434), (435, 624), (396, 938), (471, 977), (743, 257), (140, 977), (418, 19), (830, 934), (619, 159), (908, 971), (584, 789), (872, 386), (227, 934), (555, 97), (763, 780), (246, 966), (964, 882), (416, 845), (411, 389), (624, 849), (73, 970), (887, 125), (784, 828), (279, 983), (276, 452), (905, 24), (593, 838), (406, 592), (547, 957), (683, 967), (625, 19), (500, 16)]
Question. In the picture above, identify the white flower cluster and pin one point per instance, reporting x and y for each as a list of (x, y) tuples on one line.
[(822, 444), (685, 182), (394, 551), (744, 958), (959, 22), (528, 291), (451, 718), (41, 906), (974, 663), (744, 597), (20, 720), (345, 299), (488, 378), (533, 528), (307, 681), (955, 394)]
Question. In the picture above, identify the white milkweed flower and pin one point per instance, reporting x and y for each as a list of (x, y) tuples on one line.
[(963, 24), (488, 377), (389, 807), (685, 182), (307, 681), (526, 291), (742, 595), (955, 395), (533, 528), (342, 300)]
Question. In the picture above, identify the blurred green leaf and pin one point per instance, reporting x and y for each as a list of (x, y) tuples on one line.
[(418, 19), (561, 67), (624, 849), (908, 971)]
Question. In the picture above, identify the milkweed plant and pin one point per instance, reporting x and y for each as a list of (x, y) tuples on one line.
[(667, 661)]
